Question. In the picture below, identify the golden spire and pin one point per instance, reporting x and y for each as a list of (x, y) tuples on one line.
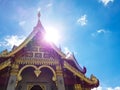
[(39, 23)]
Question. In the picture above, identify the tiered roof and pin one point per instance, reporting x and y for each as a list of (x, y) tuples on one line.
[(75, 68)]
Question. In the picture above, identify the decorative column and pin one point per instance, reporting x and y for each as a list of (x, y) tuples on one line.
[(77, 87), (60, 81), (13, 77)]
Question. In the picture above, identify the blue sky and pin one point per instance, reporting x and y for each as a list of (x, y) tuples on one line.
[(89, 28)]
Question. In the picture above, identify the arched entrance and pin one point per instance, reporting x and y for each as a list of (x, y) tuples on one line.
[(36, 87), (29, 80)]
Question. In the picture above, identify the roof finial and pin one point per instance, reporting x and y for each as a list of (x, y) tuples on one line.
[(38, 15)]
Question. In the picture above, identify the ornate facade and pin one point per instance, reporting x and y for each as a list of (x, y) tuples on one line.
[(39, 65)]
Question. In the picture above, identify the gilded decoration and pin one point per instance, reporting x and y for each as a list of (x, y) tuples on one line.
[(30, 85), (36, 71), (92, 80), (77, 87), (14, 70), (4, 52), (37, 61), (5, 64), (59, 70)]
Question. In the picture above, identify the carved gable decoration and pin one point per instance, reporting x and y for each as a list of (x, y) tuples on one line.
[(40, 52), (38, 48)]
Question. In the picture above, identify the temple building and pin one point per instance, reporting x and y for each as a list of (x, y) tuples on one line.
[(40, 65)]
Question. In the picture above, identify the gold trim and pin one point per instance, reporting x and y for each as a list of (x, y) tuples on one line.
[(37, 61), (54, 74), (92, 80), (29, 86), (37, 72), (77, 87), (59, 70), (14, 70), (5, 64), (19, 77)]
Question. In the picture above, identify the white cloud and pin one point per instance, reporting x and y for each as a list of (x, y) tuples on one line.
[(14, 40), (39, 9), (2, 44), (49, 5), (106, 2), (99, 88), (82, 20), (10, 41), (22, 23), (99, 32), (116, 88), (107, 88)]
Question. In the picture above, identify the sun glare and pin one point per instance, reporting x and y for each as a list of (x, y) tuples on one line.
[(52, 35)]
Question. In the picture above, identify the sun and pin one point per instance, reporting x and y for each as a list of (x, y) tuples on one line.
[(52, 35)]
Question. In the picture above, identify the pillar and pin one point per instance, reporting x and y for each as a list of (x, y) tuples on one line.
[(60, 80), (12, 82), (77, 87)]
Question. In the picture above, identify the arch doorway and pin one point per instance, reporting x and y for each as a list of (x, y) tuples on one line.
[(36, 87)]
